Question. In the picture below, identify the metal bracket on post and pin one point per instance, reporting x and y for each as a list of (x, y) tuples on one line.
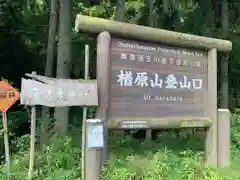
[(95, 136)]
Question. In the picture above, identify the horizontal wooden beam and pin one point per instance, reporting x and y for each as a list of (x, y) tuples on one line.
[(96, 25), (160, 123), (54, 81)]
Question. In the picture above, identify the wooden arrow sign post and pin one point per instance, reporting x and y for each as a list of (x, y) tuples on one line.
[(53, 92), (8, 96)]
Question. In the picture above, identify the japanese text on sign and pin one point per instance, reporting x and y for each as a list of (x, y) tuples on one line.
[(157, 59), (156, 81), (125, 78)]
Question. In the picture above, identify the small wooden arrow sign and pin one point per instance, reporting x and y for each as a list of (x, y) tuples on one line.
[(53, 92)]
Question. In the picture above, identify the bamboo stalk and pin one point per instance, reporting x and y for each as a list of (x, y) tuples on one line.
[(86, 75)]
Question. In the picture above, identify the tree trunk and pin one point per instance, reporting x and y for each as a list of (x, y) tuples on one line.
[(120, 10), (209, 17), (150, 24), (224, 59), (151, 13), (64, 60), (49, 62)]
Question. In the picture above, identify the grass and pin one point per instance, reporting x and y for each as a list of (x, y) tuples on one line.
[(169, 157), (173, 156)]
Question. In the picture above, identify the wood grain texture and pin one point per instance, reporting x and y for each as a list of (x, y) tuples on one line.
[(211, 105), (59, 93), (96, 157), (120, 29), (32, 140), (103, 76), (162, 123), (54, 81), (224, 140), (155, 110)]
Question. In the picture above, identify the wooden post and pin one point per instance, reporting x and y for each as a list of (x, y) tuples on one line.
[(224, 117), (94, 131), (73, 93), (85, 114), (32, 143), (103, 80), (211, 138), (148, 134), (93, 155), (6, 145)]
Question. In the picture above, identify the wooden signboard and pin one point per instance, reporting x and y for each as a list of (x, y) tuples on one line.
[(157, 86), (58, 92), (154, 78)]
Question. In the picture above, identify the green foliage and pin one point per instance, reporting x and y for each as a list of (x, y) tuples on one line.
[(16, 122), (59, 160), (24, 32), (129, 159)]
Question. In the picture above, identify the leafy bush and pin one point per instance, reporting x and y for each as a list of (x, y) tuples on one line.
[(59, 160), (128, 159)]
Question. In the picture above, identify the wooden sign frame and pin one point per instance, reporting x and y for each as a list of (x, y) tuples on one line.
[(169, 121), (103, 76), (107, 28)]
